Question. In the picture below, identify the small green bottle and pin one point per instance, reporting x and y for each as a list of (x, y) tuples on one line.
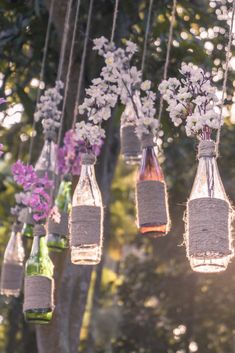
[(27, 230), (57, 238), (38, 300)]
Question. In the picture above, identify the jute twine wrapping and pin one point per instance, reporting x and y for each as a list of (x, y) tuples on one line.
[(38, 293), (42, 172), (206, 149), (88, 159), (17, 227), (51, 135), (208, 227), (26, 217), (11, 276), (147, 140), (86, 225), (130, 143), (60, 228), (39, 230), (151, 203)]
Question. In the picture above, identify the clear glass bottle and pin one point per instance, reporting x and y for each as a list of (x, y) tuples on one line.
[(39, 264), (87, 193), (58, 242), (207, 183), (151, 170), (47, 159), (13, 264)]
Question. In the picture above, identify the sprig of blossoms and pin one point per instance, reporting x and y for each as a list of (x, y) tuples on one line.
[(69, 155), (48, 108), (19, 205), (35, 196), (192, 100), (118, 71)]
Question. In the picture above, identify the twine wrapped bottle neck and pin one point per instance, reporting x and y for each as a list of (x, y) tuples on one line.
[(50, 135), (17, 227), (88, 159), (147, 140), (207, 148), (39, 230)]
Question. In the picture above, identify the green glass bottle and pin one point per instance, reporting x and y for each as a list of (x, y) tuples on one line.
[(57, 238), (27, 230), (38, 302)]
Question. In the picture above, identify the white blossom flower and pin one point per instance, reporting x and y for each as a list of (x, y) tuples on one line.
[(146, 85), (89, 133), (191, 100)]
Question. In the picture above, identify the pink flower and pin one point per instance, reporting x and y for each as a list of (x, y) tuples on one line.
[(24, 175)]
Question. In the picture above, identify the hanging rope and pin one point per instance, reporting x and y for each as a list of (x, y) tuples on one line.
[(64, 39), (146, 35), (82, 67), (115, 13), (68, 75), (41, 76), (168, 51), (224, 90)]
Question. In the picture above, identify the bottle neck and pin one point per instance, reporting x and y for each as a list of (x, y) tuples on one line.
[(87, 171), (39, 246), (150, 168), (64, 196)]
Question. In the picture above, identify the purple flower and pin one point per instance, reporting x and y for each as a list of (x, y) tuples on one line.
[(24, 175), (1, 149), (69, 156), (36, 198), (2, 101)]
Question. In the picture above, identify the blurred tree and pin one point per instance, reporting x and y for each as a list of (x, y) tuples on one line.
[(143, 297)]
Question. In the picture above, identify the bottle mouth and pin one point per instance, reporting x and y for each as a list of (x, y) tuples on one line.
[(86, 254), (209, 265)]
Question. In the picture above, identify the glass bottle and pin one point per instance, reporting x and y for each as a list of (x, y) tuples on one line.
[(130, 143), (87, 193), (28, 223), (58, 242), (13, 264), (39, 264), (47, 159), (208, 183), (151, 170)]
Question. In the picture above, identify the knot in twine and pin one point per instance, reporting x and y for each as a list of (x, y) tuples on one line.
[(207, 148), (39, 230), (17, 227), (147, 140), (88, 159), (50, 135)]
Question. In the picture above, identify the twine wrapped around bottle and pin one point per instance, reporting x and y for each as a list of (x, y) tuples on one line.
[(39, 230), (61, 227), (208, 220), (86, 225), (88, 159), (130, 143), (11, 277), (38, 293), (26, 217), (151, 197)]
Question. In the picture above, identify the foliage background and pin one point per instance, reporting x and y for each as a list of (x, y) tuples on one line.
[(143, 298)]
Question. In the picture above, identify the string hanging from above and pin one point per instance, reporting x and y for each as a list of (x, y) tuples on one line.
[(192, 101), (57, 224), (47, 110), (41, 76), (224, 88), (130, 143)]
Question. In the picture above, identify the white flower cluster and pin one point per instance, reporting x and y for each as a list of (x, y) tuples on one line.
[(89, 133), (128, 83), (192, 100), (47, 108)]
